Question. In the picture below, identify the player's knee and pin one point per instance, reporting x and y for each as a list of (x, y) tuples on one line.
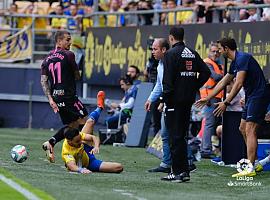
[(242, 129), (90, 122)]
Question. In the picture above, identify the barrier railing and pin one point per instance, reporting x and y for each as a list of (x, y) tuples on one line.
[(48, 32)]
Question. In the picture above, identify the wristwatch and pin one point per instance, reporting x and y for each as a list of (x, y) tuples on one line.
[(226, 103)]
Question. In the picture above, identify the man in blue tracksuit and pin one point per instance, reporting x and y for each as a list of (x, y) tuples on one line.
[(249, 75)]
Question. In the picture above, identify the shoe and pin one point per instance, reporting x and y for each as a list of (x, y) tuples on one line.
[(100, 99), (183, 177), (169, 177), (192, 168), (160, 169), (258, 168), (216, 160), (244, 173), (47, 147)]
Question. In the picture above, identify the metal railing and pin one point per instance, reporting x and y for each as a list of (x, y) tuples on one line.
[(96, 15)]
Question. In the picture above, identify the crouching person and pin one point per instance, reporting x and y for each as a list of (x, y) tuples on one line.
[(79, 149)]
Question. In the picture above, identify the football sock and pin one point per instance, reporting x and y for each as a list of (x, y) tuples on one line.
[(95, 114), (59, 135), (265, 161)]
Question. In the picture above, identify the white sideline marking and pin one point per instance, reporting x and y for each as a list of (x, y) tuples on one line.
[(125, 193), (23, 191)]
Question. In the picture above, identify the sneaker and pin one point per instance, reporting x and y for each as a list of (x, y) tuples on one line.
[(216, 160), (183, 177), (47, 147), (192, 168), (258, 168), (244, 173), (100, 99), (169, 177), (160, 169)]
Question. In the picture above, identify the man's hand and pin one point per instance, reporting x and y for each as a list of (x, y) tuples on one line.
[(114, 105), (54, 106), (147, 105), (160, 107), (242, 101), (201, 102), (95, 150), (84, 171), (220, 109)]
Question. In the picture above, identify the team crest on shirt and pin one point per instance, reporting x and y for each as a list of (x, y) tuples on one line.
[(189, 65)]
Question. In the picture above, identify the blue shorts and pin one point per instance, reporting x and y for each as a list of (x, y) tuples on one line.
[(94, 164), (255, 110)]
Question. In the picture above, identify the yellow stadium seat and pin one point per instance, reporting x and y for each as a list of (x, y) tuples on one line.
[(43, 7), (22, 4)]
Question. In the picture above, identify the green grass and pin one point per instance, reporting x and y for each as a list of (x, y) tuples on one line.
[(7, 192), (208, 182)]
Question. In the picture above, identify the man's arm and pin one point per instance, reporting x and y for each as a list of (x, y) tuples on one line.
[(93, 139), (46, 89), (168, 76), (75, 67), (155, 94), (240, 78), (220, 86), (71, 165), (221, 106)]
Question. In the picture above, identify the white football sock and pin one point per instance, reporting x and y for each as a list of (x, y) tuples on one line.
[(265, 161)]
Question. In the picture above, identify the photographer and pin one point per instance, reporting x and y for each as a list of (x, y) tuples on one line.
[(151, 73)]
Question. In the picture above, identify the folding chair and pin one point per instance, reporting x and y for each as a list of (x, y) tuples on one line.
[(110, 136)]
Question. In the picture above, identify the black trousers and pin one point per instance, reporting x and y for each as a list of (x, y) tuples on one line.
[(177, 122)]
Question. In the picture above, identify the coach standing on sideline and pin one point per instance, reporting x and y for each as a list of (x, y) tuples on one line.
[(184, 74)]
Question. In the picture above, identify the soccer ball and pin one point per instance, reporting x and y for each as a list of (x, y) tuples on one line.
[(19, 153)]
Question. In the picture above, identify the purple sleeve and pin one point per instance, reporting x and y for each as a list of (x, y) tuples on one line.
[(71, 61), (44, 68)]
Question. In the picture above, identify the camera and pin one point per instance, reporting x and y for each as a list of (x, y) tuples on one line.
[(149, 43)]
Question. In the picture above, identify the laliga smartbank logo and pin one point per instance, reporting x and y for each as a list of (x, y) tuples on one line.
[(244, 165)]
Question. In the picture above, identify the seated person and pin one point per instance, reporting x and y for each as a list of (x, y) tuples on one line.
[(126, 105), (79, 148)]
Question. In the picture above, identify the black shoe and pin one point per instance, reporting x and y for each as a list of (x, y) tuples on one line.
[(183, 177), (160, 169), (169, 177), (192, 168)]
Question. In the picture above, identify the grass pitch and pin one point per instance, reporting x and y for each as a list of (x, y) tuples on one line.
[(208, 182)]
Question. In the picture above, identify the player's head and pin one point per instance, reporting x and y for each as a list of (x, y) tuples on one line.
[(214, 53), (73, 137), (133, 72), (126, 82), (160, 46), (226, 46), (62, 39), (176, 35)]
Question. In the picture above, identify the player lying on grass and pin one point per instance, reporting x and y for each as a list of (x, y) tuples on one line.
[(79, 148)]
